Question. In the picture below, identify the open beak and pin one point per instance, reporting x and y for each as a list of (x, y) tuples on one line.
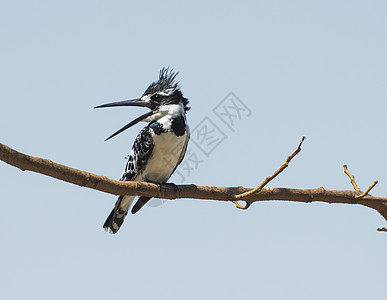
[(135, 102)]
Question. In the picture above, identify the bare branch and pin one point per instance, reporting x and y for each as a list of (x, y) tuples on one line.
[(104, 184)]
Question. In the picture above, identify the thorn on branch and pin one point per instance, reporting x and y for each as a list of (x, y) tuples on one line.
[(245, 195)]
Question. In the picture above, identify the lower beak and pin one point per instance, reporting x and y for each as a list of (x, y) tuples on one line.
[(134, 102)]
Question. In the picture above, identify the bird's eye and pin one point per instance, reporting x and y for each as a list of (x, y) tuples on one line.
[(155, 97)]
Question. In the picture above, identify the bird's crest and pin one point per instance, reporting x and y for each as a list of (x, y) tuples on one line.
[(166, 82)]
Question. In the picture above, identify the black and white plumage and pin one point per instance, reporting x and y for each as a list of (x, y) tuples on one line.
[(159, 147)]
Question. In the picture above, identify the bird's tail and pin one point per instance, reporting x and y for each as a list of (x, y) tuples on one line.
[(140, 203), (118, 214)]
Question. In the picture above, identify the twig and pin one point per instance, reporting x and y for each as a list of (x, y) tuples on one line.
[(352, 178), (245, 195), (367, 190), (362, 195)]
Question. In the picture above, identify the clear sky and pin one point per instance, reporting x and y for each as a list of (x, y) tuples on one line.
[(313, 68)]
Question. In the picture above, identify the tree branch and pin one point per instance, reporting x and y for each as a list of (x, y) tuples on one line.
[(104, 184)]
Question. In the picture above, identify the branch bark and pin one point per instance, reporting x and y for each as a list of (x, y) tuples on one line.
[(115, 187)]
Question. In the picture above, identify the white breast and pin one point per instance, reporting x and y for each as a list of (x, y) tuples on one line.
[(165, 156)]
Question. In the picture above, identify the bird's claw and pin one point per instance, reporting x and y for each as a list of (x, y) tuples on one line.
[(174, 186)]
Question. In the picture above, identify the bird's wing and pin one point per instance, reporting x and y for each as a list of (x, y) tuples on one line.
[(139, 155)]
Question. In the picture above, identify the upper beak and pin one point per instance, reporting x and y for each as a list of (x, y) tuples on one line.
[(135, 102)]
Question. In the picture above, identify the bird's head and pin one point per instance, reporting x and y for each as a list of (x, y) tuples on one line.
[(162, 97)]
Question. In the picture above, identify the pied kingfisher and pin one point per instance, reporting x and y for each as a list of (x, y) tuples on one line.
[(159, 147)]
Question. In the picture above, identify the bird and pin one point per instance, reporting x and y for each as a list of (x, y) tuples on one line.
[(159, 147)]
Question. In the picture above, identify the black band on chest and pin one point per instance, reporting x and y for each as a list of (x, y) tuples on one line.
[(178, 125)]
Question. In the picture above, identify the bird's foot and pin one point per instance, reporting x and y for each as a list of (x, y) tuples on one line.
[(174, 186), (154, 182)]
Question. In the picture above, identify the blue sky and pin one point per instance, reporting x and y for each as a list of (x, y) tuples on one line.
[(299, 67)]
